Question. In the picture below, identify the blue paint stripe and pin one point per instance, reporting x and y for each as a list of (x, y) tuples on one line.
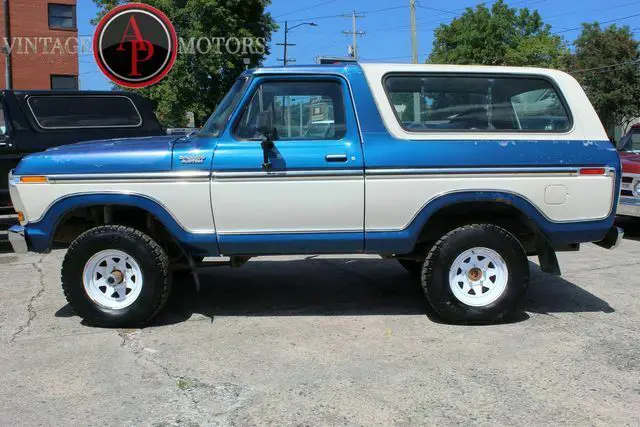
[(291, 243)]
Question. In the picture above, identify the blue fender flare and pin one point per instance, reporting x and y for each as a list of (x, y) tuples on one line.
[(40, 234)]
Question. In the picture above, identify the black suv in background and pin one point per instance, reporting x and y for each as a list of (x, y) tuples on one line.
[(32, 121)]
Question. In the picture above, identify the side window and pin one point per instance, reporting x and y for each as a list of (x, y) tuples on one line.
[(3, 123), (476, 103), (68, 112), (309, 110)]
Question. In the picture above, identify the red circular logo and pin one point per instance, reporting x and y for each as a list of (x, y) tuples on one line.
[(135, 45)]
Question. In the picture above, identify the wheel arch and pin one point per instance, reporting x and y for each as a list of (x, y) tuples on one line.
[(42, 233), (452, 210)]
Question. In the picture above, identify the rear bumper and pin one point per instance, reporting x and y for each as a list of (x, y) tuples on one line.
[(18, 239), (629, 206), (612, 239)]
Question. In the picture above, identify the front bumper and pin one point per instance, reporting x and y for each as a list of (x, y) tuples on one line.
[(18, 239), (629, 206)]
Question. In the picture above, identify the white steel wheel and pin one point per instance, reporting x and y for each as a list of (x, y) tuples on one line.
[(112, 279), (478, 277)]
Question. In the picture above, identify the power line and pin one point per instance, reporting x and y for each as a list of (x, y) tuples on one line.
[(456, 12), (438, 10), (591, 10), (600, 22), (342, 15), (617, 65), (307, 8)]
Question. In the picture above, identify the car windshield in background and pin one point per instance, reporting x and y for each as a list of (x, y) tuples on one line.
[(632, 141), (219, 118), (476, 103), (70, 112)]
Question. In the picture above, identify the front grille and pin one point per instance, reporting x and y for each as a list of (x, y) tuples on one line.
[(627, 179), (626, 193)]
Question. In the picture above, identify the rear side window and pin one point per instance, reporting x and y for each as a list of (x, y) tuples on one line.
[(67, 112), (312, 110), (476, 103)]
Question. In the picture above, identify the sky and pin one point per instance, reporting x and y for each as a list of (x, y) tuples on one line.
[(387, 35)]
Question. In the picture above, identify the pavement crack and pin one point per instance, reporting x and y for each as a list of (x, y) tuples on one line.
[(30, 306), (219, 400)]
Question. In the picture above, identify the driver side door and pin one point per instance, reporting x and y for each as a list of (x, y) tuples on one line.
[(310, 196)]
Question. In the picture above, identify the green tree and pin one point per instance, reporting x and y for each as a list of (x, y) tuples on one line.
[(497, 36), (197, 81), (606, 62)]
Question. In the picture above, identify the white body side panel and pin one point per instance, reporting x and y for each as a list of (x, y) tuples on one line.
[(393, 201), (587, 125), (187, 202), (288, 205)]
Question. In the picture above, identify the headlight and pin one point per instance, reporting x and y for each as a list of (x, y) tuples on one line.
[(636, 190)]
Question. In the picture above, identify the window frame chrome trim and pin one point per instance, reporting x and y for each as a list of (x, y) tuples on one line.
[(470, 132), (35, 117)]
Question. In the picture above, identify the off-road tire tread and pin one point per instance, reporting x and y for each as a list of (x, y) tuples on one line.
[(157, 254), (431, 260)]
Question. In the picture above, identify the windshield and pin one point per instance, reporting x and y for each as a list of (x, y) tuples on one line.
[(632, 142), (218, 119)]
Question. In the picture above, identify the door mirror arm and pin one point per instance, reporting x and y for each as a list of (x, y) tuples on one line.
[(267, 145), (267, 133)]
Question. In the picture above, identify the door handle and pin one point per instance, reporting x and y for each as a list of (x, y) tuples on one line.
[(336, 157)]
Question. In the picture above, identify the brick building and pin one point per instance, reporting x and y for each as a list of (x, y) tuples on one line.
[(44, 34)]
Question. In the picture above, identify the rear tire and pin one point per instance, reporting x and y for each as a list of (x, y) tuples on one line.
[(116, 276), (475, 274)]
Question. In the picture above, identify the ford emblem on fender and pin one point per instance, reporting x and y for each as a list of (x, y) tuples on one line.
[(191, 159)]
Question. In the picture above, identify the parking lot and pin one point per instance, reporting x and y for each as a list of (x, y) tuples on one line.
[(326, 340)]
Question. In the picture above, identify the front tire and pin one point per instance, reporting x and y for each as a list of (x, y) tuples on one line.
[(476, 274), (116, 276)]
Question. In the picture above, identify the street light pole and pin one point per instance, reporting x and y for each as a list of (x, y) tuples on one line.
[(7, 47), (285, 59)]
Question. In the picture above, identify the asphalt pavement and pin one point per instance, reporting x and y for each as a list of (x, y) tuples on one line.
[(343, 340)]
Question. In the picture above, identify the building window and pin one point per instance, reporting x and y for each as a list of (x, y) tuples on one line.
[(62, 16), (64, 82)]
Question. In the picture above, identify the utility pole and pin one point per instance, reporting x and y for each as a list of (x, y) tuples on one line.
[(414, 36), (285, 60), (417, 116), (354, 33)]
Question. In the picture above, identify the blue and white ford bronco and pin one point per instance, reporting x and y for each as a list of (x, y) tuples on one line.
[(458, 172)]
